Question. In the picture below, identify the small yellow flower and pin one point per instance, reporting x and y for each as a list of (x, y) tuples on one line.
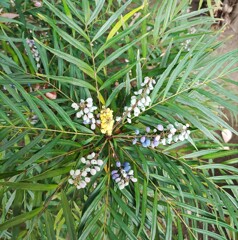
[(107, 121)]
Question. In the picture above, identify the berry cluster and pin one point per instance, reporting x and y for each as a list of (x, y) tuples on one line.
[(123, 174), (140, 100), (87, 112), (80, 178), (34, 51), (160, 135), (187, 43)]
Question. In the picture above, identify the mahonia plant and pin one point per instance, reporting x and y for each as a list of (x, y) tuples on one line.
[(98, 90)]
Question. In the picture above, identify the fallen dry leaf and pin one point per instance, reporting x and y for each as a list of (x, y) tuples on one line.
[(51, 95), (226, 135), (9, 15)]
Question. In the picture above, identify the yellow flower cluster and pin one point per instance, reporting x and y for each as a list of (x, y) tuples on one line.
[(107, 121)]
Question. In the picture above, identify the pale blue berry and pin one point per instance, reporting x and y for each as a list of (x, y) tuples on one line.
[(147, 129), (147, 142), (118, 164), (114, 176), (143, 138), (134, 141), (170, 126), (157, 138), (125, 164), (127, 168), (114, 172), (156, 143), (137, 131), (160, 127)]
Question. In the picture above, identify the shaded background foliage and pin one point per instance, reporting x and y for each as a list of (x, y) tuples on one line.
[(104, 50)]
